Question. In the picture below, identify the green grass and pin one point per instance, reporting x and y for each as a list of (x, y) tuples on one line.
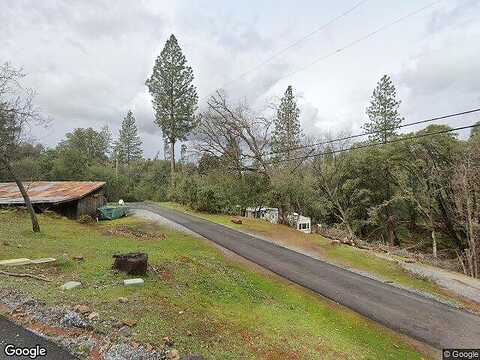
[(232, 312), (343, 255)]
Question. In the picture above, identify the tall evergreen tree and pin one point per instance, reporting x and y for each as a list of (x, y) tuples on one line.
[(384, 121), (174, 96), (383, 111), (287, 132), (129, 145)]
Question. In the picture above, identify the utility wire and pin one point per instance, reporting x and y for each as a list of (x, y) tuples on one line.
[(363, 38), (373, 132), (356, 41), (362, 146), (295, 43)]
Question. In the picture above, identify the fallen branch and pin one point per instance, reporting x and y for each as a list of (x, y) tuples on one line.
[(37, 277)]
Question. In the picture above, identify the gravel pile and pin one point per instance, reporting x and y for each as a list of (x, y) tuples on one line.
[(127, 352)]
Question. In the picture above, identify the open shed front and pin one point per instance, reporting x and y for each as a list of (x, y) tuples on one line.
[(68, 198)]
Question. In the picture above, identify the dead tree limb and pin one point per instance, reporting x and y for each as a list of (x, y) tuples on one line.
[(36, 277)]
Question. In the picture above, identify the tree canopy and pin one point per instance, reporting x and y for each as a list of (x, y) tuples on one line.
[(383, 114), (128, 146), (287, 132), (174, 96)]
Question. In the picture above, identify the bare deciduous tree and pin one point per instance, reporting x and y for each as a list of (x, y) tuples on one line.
[(466, 193), (16, 113), (333, 180), (236, 133)]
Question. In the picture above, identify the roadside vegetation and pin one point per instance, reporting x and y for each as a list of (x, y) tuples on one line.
[(417, 190), (361, 260), (208, 305)]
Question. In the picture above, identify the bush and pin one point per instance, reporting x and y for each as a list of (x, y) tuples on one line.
[(86, 219), (209, 200)]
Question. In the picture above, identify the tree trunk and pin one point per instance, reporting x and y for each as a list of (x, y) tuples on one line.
[(391, 224), (345, 221), (412, 224), (434, 244), (26, 198), (172, 161)]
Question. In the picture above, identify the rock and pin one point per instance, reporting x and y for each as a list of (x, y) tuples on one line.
[(122, 300), (118, 324), (131, 263), (173, 355), (130, 323), (82, 309), (125, 331), (189, 333), (181, 312), (71, 318), (335, 242), (78, 258), (129, 282), (237, 221), (6, 243), (168, 341), (93, 316), (71, 285), (30, 302)]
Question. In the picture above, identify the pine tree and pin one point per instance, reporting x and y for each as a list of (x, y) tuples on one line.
[(174, 96), (129, 145), (383, 111), (287, 132), (384, 121)]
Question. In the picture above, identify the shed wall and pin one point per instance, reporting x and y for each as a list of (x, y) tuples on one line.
[(90, 203)]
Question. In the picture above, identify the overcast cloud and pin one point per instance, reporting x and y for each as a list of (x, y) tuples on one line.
[(88, 60)]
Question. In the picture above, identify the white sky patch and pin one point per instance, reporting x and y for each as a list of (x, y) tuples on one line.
[(88, 60)]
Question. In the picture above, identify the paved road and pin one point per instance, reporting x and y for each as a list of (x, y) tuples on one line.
[(424, 319), (11, 333)]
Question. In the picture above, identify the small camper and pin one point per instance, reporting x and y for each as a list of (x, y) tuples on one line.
[(265, 213), (300, 222)]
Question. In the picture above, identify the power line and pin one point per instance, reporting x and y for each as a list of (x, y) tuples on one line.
[(374, 132), (295, 43), (356, 41), (363, 38), (362, 146)]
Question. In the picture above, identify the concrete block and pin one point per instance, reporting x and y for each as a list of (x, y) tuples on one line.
[(43, 260), (133, 282), (71, 285), (14, 262)]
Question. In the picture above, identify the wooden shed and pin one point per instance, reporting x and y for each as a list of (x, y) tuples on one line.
[(69, 198)]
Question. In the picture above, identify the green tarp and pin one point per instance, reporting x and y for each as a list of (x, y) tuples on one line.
[(112, 212)]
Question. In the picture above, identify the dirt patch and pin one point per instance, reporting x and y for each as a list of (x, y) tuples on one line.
[(140, 234)]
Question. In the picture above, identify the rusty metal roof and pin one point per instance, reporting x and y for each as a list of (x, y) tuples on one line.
[(51, 192)]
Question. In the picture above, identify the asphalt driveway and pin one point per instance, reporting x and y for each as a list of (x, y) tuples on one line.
[(19, 337), (422, 318)]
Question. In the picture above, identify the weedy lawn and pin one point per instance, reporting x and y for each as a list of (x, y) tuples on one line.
[(343, 255), (208, 304)]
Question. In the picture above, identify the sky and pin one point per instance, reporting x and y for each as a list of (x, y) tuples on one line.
[(88, 60)]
